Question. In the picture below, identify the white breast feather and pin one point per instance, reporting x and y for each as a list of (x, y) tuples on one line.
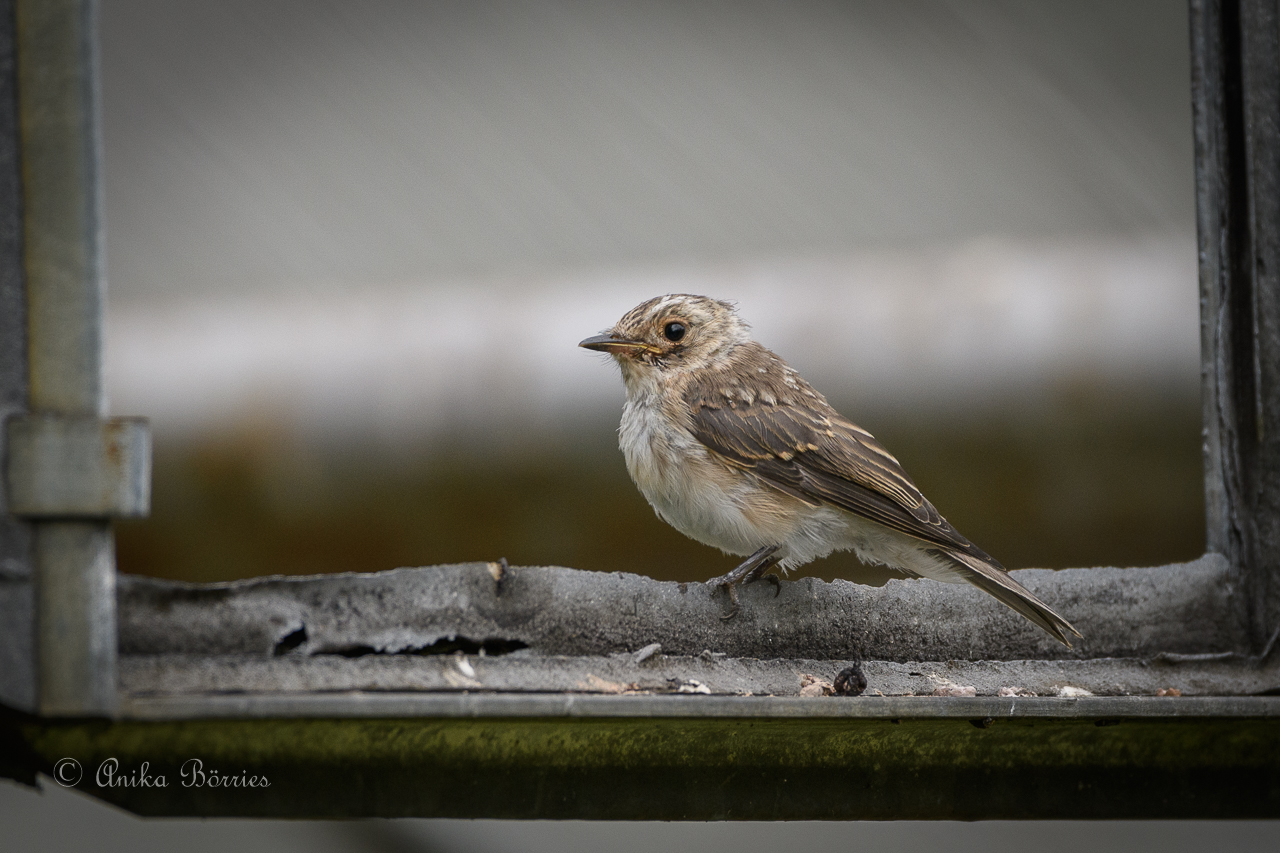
[(677, 477)]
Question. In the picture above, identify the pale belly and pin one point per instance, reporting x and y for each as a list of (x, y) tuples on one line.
[(720, 506), (727, 508)]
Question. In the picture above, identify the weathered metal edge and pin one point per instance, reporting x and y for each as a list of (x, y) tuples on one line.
[(63, 242), (557, 705), (78, 466)]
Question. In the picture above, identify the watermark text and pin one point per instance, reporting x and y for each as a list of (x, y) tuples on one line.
[(194, 773)]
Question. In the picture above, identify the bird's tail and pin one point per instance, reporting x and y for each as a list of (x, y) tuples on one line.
[(1009, 592)]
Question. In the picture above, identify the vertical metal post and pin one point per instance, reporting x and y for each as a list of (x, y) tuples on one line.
[(1214, 226), (17, 601), (74, 558), (1236, 94)]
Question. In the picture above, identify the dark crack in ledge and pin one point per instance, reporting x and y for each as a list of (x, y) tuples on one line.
[(486, 627)]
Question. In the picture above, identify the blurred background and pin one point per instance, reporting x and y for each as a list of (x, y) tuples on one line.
[(352, 247)]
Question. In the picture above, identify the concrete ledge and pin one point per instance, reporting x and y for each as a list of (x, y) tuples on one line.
[(369, 695), (1123, 613)]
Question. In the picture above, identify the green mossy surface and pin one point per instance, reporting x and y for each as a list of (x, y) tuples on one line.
[(670, 768)]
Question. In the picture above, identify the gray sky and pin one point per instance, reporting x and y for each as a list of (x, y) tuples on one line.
[(283, 144)]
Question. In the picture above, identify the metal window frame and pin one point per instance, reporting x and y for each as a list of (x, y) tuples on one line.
[(351, 752)]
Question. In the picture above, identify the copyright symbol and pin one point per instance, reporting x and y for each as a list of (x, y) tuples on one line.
[(67, 772)]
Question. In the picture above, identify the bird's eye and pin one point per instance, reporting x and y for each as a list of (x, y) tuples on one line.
[(674, 331)]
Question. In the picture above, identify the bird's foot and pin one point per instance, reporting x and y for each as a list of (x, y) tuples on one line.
[(762, 573), (771, 578), (751, 569), (734, 604)]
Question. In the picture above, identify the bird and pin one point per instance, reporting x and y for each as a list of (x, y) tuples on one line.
[(733, 448)]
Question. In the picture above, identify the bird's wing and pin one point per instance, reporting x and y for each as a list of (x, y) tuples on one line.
[(800, 445), (776, 426)]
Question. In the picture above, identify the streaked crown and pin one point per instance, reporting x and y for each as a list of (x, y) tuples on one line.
[(682, 328)]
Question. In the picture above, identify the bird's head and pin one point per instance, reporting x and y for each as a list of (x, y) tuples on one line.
[(676, 332)]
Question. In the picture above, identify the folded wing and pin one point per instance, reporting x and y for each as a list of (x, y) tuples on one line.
[(787, 434)]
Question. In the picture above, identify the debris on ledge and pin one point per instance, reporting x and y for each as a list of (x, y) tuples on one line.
[(473, 627)]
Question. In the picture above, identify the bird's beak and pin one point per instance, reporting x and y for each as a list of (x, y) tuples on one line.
[(613, 344)]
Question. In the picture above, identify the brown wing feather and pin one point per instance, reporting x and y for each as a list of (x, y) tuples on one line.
[(1006, 590), (777, 426), (759, 415)]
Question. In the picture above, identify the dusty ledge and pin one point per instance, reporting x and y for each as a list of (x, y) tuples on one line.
[(1123, 613), (181, 675), (479, 627)]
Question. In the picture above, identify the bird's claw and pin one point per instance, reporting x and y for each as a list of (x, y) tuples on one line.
[(750, 570), (730, 585)]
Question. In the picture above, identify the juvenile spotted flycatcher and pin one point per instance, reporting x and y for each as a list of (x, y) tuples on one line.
[(734, 449)]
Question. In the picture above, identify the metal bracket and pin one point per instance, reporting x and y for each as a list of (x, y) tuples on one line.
[(62, 466)]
